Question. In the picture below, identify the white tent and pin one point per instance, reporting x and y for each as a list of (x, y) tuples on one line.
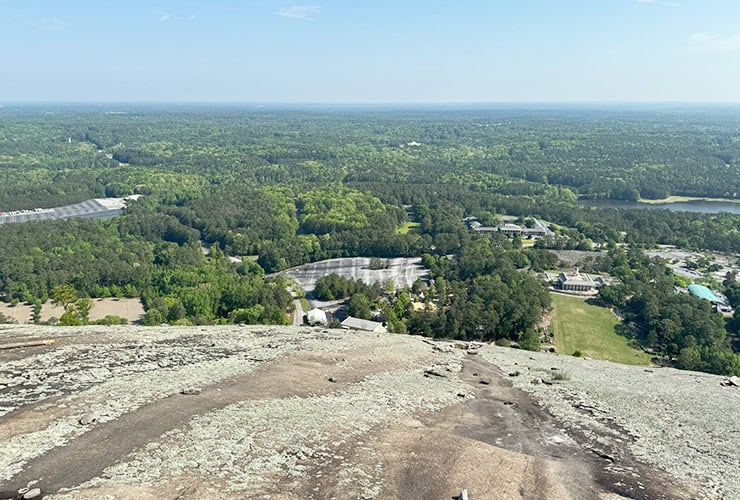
[(316, 317)]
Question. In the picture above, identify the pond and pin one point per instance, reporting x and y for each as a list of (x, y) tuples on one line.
[(706, 207)]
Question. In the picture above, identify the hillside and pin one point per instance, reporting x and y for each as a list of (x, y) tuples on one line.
[(294, 413)]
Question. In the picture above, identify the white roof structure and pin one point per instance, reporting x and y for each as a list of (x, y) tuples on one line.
[(578, 279), (363, 324), (316, 317)]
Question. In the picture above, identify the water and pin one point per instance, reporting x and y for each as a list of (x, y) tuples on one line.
[(706, 207)]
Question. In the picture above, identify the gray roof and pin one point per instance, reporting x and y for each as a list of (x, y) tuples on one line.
[(576, 279), (96, 208), (360, 324)]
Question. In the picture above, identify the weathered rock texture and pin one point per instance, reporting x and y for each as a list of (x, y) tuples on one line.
[(294, 413)]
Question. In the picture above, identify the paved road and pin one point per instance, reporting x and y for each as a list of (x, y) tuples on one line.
[(298, 312)]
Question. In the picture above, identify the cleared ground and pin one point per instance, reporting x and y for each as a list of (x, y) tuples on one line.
[(580, 326), (129, 309), (298, 413), (408, 227)]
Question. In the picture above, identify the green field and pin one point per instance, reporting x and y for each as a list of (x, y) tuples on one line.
[(580, 326), (408, 227)]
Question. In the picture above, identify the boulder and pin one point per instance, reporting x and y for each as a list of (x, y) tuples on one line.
[(87, 419), (32, 493)]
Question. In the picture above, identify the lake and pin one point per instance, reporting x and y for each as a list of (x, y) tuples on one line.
[(706, 207)]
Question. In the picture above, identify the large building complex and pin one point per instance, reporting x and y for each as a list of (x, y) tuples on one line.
[(97, 208), (578, 282), (539, 228)]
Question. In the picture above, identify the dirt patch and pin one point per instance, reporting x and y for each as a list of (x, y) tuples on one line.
[(129, 309)]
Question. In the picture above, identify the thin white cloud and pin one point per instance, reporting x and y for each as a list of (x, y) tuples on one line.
[(192, 17), (49, 24), (703, 37), (302, 12), (660, 2), (713, 42), (164, 18)]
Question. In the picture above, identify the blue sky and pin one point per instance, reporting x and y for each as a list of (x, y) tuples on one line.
[(370, 50)]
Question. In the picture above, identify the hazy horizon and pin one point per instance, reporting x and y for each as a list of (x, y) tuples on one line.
[(381, 52)]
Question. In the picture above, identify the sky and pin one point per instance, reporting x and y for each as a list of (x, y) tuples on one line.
[(370, 51)]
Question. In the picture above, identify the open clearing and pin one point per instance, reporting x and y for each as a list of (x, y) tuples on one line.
[(129, 309), (409, 227), (300, 413), (580, 326)]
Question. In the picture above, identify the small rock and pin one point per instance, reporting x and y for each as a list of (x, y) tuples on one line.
[(514, 374), (443, 350), (87, 419), (732, 381), (332, 379), (33, 493), (554, 368), (472, 352), (648, 371), (536, 381), (191, 391), (509, 403), (485, 382)]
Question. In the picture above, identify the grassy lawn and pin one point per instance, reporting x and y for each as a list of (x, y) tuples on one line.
[(408, 227), (580, 326)]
